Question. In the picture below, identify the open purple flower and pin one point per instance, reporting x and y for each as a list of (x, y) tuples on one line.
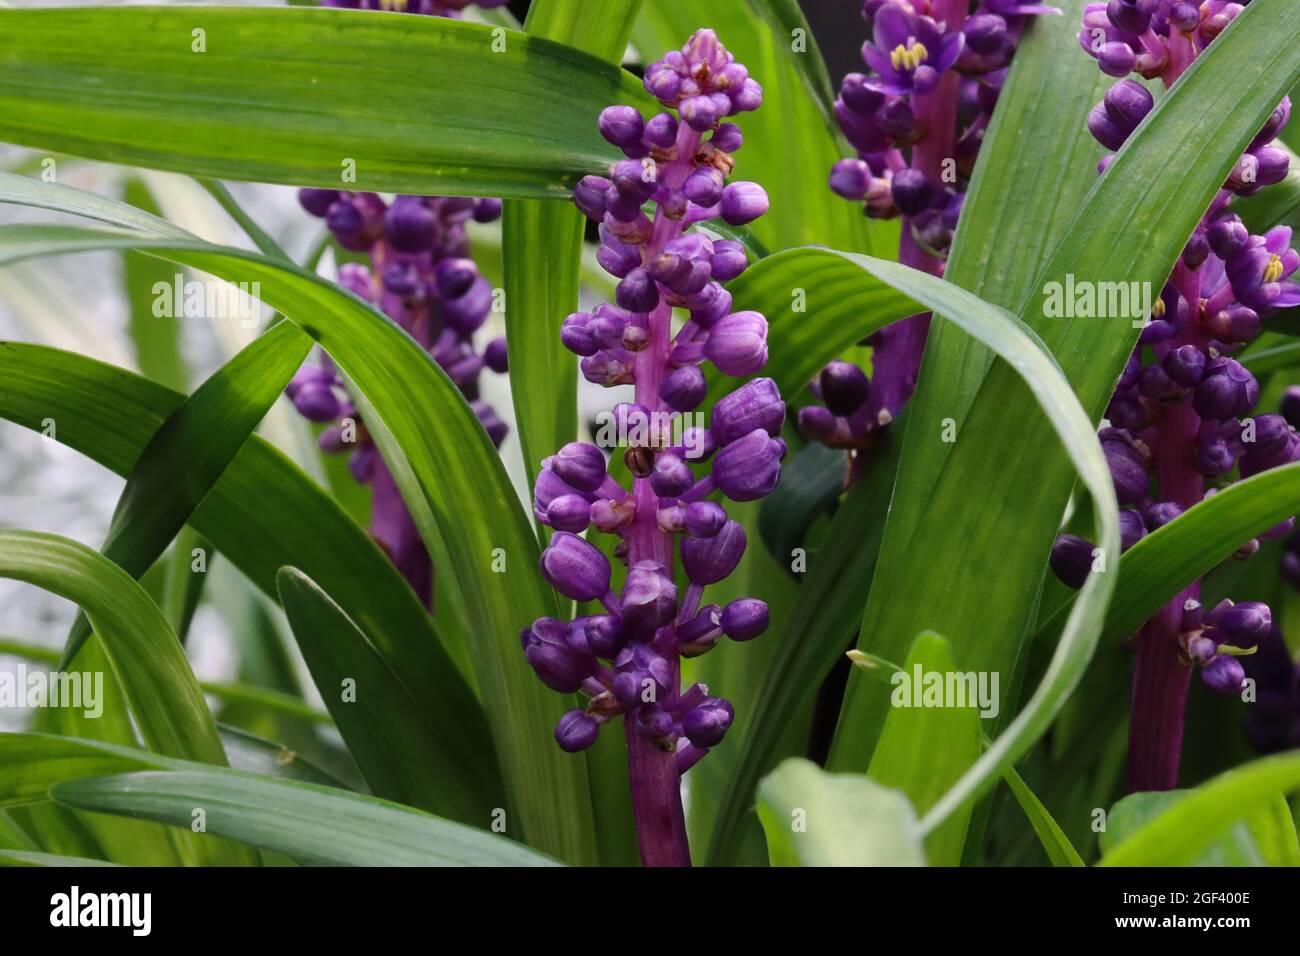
[(909, 52)]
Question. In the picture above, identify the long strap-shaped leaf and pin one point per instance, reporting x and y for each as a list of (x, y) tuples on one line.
[(399, 753), (262, 514), (541, 244), (1003, 480), (304, 821), (419, 414), (307, 97), (147, 661), (1024, 353), (190, 451)]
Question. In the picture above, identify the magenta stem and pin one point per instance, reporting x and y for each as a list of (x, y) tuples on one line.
[(652, 772)]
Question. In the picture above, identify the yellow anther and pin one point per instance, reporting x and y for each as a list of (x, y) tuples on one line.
[(394, 6), (908, 56), (1158, 310), (1273, 271)]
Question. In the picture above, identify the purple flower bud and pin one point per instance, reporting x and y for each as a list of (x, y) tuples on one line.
[(660, 131), (622, 126), (589, 196), (345, 220), (860, 94), (1213, 456), (1185, 365), (1155, 384), (1227, 237), (727, 137), (671, 476), (709, 560), (704, 519), (683, 388), (707, 724), (581, 465), (453, 277), (1116, 59), (317, 201), (575, 568), (575, 335), (1132, 528), (1243, 624), (728, 260), (737, 343), (756, 404), (1271, 435), (1234, 324), (1071, 559), (704, 186), (744, 619), (642, 675), (912, 191), (576, 732), (1291, 405), (709, 304), (361, 463), (1227, 390), (743, 202), (1128, 102), (402, 279), (558, 665), (600, 634), (700, 634), (1127, 470), (749, 468), (1131, 16), (1161, 513), (468, 312), (851, 178), (1224, 674), (986, 33), (649, 599), (844, 387), (637, 292), (496, 355), (569, 513), (487, 209), (410, 225), (316, 402), (1196, 251)]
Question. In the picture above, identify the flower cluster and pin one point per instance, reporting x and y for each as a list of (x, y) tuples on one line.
[(1181, 414), (679, 163), (917, 120), (420, 275)]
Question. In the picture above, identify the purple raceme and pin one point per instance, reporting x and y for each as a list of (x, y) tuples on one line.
[(917, 120), (1180, 421), (677, 160), (420, 275)]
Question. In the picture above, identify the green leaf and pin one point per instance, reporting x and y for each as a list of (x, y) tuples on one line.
[(924, 750), (1057, 845), (825, 616), (27, 858), (542, 253), (35, 762), (401, 754), (979, 582), (788, 21), (253, 754), (303, 821), (156, 339), (811, 481), (265, 244), (190, 451), (146, 657), (262, 514), (817, 305), (416, 415), (814, 818), (305, 97), (1194, 821)]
